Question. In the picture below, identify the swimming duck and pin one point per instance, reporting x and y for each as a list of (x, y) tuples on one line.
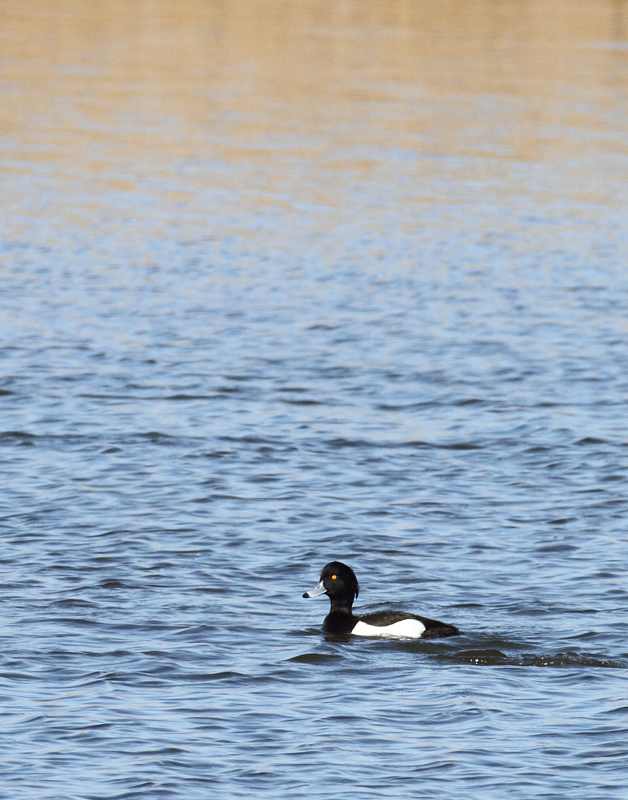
[(339, 583)]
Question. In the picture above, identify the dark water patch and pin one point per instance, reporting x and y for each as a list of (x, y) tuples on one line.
[(407, 406), (307, 402), (230, 390), (66, 439), (210, 498), (561, 547), (341, 443), (251, 439), (494, 657), (72, 602), (481, 657), (621, 710), (154, 437), (315, 658), (16, 676), (460, 446), (112, 396), (241, 378), (621, 477), (116, 532), (20, 437), (66, 621), (193, 397), (348, 443), (572, 660)]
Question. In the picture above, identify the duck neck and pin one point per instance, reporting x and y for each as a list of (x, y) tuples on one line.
[(341, 606), (340, 619)]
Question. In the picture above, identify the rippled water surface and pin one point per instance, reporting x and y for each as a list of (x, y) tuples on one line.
[(283, 282)]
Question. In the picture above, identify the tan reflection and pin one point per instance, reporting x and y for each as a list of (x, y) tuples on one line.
[(88, 84)]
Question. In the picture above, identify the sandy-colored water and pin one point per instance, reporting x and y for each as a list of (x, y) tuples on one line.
[(285, 105)]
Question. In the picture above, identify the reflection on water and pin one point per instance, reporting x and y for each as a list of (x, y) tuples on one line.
[(282, 282), (280, 108)]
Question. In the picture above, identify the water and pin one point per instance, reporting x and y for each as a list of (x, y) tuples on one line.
[(287, 282)]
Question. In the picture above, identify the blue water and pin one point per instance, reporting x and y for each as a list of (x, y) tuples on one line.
[(247, 330)]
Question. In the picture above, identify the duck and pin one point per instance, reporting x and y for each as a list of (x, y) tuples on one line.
[(339, 583)]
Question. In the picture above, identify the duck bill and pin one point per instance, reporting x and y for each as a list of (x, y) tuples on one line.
[(316, 591)]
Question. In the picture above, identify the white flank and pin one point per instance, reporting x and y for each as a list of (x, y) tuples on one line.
[(404, 629)]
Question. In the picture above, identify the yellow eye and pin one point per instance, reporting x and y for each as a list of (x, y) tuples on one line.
[(333, 577)]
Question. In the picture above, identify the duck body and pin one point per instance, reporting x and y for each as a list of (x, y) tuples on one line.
[(339, 583)]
